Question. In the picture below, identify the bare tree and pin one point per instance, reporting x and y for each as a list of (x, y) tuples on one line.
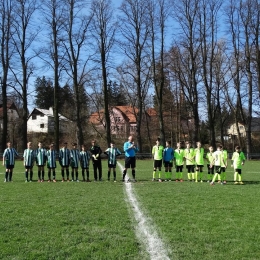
[(23, 37), (104, 28), (52, 54), (76, 27), (159, 12), (187, 64), (134, 29), (6, 13), (209, 18)]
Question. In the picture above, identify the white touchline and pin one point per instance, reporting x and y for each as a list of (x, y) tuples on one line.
[(146, 231)]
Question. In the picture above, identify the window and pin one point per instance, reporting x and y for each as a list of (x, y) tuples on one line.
[(33, 117), (42, 115), (41, 125), (117, 119)]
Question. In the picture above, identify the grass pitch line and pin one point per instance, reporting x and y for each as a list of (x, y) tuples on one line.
[(145, 230)]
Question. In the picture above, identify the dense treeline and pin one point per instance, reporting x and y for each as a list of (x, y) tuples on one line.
[(198, 59)]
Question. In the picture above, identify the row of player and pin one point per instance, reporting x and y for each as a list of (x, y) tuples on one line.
[(193, 158), (67, 158)]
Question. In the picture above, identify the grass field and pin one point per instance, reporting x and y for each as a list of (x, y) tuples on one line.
[(94, 221)]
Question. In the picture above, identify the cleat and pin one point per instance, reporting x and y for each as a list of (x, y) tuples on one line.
[(201, 180), (114, 180), (26, 181), (39, 180), (68, 180), (88, 180), (134, 180), (5, 180), (54, 180), (169, 180), (165, 180), (219, 181), (212, 183), (208, 180), (153, 179), (241, 183), (176, 180), (62, 180), (181, 180), (160, 180), (42, 180), (224, 182), (236, 182), (77, 180), (49, 180)]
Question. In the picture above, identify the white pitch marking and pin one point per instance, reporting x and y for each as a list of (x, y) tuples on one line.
[(145, 230)]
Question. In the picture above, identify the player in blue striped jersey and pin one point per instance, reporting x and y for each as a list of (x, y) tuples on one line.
[(84, 162), (75, 160), (64, 160), (41, 157), (51, 163), (28, 161), (9, 161), (112, 153)]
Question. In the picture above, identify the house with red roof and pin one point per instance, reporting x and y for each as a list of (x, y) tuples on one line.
[(122, 119)]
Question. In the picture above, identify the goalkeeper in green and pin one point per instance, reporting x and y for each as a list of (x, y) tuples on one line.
[(157, 153), (168, 155), (238, 159)]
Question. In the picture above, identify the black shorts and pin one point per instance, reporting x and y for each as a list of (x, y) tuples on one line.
[(157, 163), (179, 168), (190, 168), (28, 167), (199, 168), (167, 164), (239, 171), (9, 166), (130, 162), (218, 169), (111, 166), (40, 165)]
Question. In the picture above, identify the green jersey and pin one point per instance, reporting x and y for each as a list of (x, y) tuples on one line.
[(178, 157), (157, 152), (189, 155), (199, 156), (210, 157), (238, 158)]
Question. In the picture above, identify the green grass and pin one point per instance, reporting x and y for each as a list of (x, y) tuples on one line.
[(92, 220)]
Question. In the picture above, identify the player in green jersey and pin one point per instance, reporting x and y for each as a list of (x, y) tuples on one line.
[(238, 159), (199, 161), (209, 158), (189, 156), (179, 161), (157, 153)]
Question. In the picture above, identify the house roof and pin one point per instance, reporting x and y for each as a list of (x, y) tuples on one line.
[(128, 112), (47, 112), (10, 105)]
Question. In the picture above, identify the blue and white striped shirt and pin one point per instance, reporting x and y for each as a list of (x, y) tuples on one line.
[(112, 154), (51, 159), (9, 155), (28, 157), (64, 157), (84, 159), (75, 158), (41, 156)]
